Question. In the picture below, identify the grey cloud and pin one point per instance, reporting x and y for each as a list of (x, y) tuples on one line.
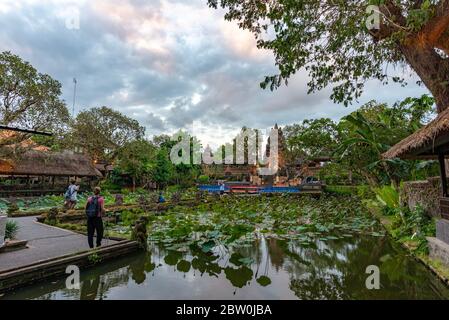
[(156, 87)]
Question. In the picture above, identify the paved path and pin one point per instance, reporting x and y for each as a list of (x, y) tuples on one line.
[(44, 242)]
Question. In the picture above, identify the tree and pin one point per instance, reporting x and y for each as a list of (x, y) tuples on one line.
[(29, 99), (331, 40), (311, 138), (370, 131), (163, 168), (103, 131), (137, 159)]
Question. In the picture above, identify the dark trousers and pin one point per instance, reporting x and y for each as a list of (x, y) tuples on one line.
[(94, 224)]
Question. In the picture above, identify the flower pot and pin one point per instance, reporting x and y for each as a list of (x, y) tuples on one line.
[(3, 220)]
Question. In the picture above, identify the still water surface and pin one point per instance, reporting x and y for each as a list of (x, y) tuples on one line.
[(267, 269)]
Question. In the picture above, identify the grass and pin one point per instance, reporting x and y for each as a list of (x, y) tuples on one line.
[(12, 228)]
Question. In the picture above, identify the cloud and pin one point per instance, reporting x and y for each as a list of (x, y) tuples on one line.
[(170, 64)]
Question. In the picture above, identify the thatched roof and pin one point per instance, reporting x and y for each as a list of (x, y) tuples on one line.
[(38, 163), (423, 143)]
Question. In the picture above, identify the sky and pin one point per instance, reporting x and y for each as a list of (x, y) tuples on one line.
[(170, 64)]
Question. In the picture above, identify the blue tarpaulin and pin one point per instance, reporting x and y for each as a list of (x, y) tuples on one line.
[(265, 189)]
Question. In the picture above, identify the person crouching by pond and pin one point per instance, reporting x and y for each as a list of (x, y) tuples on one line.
[(71, 195), (94, 211)]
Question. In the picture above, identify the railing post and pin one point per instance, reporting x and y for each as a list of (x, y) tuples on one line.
[(443, 173)]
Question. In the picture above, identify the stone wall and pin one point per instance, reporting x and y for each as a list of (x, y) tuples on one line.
[(438, 250), (425, 193)]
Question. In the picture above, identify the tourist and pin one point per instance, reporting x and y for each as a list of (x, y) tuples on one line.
[(94, 211), (71, 195), (222, 188), (161, 198)]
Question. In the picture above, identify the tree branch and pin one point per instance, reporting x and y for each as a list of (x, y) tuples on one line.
[(432, 34)]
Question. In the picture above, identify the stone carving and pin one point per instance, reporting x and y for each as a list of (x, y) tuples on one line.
[(139, 233), (119, 200)]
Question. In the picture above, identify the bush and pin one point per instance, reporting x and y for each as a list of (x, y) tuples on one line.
[(12, 208), (203, 179), (12, 227), (388, 196), (341, 190), (365, 192)]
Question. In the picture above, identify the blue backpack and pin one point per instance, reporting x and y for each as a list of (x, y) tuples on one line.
[(92, 208)]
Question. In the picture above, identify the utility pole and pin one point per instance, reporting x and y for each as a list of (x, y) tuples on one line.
[(74, 97)]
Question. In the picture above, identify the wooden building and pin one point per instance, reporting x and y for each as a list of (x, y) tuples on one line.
[(43, 172)]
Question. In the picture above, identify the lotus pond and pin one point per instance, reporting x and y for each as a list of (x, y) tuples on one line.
[(257, 248)]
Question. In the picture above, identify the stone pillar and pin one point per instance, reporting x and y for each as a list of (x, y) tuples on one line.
[(139, 232), (443, 230), (119, 200)]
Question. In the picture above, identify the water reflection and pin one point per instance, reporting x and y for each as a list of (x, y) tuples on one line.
[(264, 269)]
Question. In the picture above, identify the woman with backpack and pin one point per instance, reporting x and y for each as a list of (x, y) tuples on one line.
[(94, 211)]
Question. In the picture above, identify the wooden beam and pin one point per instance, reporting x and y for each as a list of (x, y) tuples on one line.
[(26, 131), (443, 173)]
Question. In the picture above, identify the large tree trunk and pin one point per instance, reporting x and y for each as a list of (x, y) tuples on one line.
[(419, 48), (432, 69)]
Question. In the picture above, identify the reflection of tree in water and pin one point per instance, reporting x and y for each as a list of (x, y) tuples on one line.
[(337, 270), (97, 285), (324, 270), (277, 254), (329, 270), (140, 267), (89, 289)]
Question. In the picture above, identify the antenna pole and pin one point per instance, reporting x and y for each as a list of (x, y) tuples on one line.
[(74, 97)]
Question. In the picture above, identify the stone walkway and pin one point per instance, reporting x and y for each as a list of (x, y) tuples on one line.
[(44, 242)]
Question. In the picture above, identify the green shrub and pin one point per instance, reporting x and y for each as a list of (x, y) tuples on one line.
[(388, 196), (12, 208), (203, 179), (341, 190), (125, 191), (12, 227), (108, 185), (365, 192)]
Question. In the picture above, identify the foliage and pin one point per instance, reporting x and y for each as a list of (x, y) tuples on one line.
[(29, 99), (389, 197), (234, 222), (103, 131), (163, 169), (370, 131), (136, 158), (311, 138), (203, 179), (12, 207), (94, 258), (12, 227), (331, 41), (411, 227)]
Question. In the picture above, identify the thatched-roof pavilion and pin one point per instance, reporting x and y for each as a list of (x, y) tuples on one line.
[(430, 142), (37, 163), (50, 169), (426, 143)]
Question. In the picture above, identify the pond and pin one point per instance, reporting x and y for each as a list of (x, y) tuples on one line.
[(266, 269)]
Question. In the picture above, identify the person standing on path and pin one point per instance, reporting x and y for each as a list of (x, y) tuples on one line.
[(71, 195), (95, 211)]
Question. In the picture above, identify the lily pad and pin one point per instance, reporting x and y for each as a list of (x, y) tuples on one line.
[(264, 281), (183, 266)]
